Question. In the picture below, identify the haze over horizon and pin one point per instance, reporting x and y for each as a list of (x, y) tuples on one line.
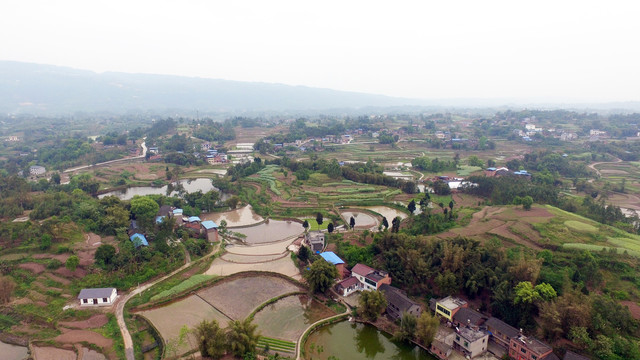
[(566, 51)]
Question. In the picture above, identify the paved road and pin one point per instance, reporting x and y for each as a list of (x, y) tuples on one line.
[(593, 166), (122, 300), (144, 153)]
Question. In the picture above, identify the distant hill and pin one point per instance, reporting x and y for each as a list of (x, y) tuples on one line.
[(53, 90)]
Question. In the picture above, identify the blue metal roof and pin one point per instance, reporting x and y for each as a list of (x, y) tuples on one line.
[(208, 224), (177, 211), (194, 219), (139, 239), (331, 258), (159, 219)]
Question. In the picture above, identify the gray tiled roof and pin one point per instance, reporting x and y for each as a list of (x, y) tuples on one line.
[(570, 355), (502, 326), (397, 298), (95, 293)]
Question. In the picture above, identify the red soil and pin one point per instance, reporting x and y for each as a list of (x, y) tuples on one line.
[(95, 321), (33, 267), (634, 308), (76, 336)]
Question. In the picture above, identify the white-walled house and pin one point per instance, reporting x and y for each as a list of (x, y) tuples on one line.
[(97, 297)]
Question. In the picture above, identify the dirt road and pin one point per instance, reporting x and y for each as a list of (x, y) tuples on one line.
[(126, 336), (144, 153)]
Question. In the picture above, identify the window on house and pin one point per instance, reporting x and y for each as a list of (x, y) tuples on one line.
[(483, 340), (534, 357), (85, 301), (466, 344), (522, 350), (457, 338), (104, 299)]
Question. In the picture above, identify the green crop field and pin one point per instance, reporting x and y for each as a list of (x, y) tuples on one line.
[(580, 226), (277, 344), (184, 285)]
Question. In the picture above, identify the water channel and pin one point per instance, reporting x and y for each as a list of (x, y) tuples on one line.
[(189, 185), (354, 341)]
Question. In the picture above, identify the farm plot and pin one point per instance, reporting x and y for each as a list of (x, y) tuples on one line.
[(388, 212), (289, 317), (271, 231), (250, 259), (189, 311), (238, 297), (283, 266)]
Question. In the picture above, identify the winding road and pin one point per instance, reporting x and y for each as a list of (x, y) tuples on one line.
[(122, 300), (144, 153), (593, 166)]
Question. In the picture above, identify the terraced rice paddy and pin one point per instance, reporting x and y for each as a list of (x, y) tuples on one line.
[(388, 212), (363, 220), (289, 317), (239, 217), (238, 297), (580, 226), (271, 231), (189, 311)]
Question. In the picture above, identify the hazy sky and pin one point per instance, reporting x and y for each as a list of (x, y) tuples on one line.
[(570, 50)]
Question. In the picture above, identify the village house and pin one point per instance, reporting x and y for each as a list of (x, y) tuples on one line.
[(501, 332), (398, 303), (315, 240), (37, 170), (139, 240), (333, 259), (362, 278), (471, 342), (193, 223), (529, 348), (97, 296), (441, 349), (468, 317), (448, 307), (210, 230)]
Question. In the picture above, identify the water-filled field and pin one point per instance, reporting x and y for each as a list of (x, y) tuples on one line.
[(362, 218), (238, 297), (289, 317), (388, 212), (274, 230), (234, 218), (353, 341)]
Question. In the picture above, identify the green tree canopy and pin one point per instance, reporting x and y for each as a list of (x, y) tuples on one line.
[(242, 337), (372, 304), (211, 339), (321, 275), (144, 208)]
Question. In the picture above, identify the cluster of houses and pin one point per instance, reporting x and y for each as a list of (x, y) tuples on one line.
[(468, 332), (206, 229), (474, 334), (503, 171)]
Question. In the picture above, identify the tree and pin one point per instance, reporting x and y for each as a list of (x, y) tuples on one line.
[(352, 222), (321, 275), (527, 201), (319, 218), (372, 304), (491, 163), (412, 206), (144, 209), (303, 254), (333, 169), (330, 228), (385, 223), (427, 327), (305, 225), (407, 330), (72, 262), (395, 224), (104, 255), (451, 205), (211, 339), (474, 161), (6, 288), (242, 337), (233, 201), (55, 178), (45, 242)]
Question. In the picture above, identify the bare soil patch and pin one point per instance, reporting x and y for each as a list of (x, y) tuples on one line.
[(51, 353), (33, 267), (79, 273), (238, 297), (634, 308), (504, 231), (76, 336), (95, 321)]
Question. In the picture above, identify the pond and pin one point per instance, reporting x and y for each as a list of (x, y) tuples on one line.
[(362, 219), (287, 318), (189, 185), (354, 341), (274, 230), (13, 352), (234, 218)]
